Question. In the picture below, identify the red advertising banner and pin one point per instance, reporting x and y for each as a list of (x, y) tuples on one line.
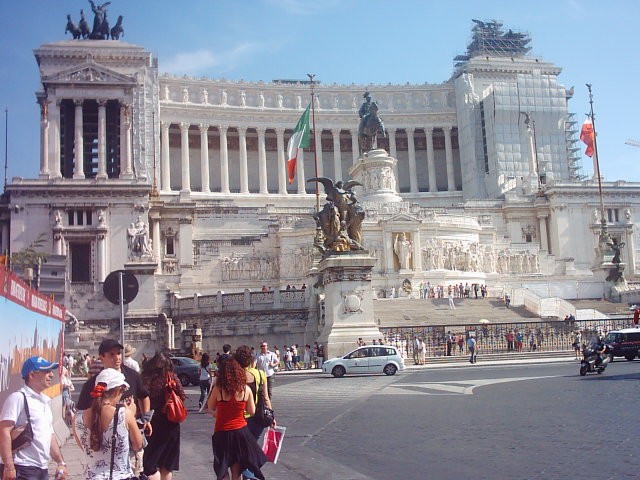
[(32, 324)]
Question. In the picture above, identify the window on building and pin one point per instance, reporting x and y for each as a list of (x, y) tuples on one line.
[(80, 253), (169, 246), (528, 238), (613, 215)]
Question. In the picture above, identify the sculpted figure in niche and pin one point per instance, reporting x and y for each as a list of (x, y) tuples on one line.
[(403, 248), (223, 97), (138, 239), (280, 100)]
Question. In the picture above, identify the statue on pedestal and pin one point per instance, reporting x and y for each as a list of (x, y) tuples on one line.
[(403, 248), (138, 240), (370, 124), (341, 217)]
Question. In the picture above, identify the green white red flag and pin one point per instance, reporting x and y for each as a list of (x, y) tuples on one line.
[(298, 141), (588, 137)]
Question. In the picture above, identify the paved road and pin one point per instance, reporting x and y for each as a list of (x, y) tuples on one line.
[(478, 422)]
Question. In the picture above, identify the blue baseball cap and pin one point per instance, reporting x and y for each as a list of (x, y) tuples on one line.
[(36, 364)]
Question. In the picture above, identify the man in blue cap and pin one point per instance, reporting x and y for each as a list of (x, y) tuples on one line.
[(32, 461)]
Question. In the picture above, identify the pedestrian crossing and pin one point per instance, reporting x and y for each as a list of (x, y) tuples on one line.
[(323, 397)]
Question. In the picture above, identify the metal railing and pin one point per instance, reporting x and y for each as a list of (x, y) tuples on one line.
[(499, 338)]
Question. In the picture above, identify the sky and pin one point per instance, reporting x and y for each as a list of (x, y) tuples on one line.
[(344, 42)]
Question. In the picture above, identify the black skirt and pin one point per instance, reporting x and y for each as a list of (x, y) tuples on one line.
[(163, 450), (236, 446)]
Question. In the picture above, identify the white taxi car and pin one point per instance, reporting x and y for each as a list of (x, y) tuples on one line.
[(368, 359)]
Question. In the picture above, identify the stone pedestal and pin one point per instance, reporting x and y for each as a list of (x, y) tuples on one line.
[(611, 274), (374, 170), (145, 302), (346, 278)]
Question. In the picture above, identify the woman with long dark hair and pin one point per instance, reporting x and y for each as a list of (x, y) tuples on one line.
[(162, 454), (94, 428), (233, 445), (257, 382), (205, 377)]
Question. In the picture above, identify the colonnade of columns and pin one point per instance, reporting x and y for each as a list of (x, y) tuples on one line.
[(187, 163), (50, 130)]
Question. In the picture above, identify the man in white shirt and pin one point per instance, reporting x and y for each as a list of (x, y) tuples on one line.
[(266, 361), (32, 461)]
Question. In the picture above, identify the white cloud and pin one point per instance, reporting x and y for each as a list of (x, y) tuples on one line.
[(203, 61), (190, 62)]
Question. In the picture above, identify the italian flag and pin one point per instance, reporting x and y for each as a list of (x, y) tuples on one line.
[(588, 137), (298, 141)]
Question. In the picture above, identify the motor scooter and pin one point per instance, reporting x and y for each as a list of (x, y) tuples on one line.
[(594, 361)]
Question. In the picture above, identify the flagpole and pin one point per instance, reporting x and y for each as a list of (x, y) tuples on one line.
[(315, 145), (603, 221)]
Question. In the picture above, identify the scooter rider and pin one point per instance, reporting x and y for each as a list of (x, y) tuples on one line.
[(600, 347)]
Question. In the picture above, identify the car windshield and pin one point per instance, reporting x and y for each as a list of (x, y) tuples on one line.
[(189, 360)]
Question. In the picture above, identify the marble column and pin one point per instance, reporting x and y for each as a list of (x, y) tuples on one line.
[(388, 251), (355, 148), (155, 240), (262, 162), (431, 164), (337, 158), (544, 240), (126, 158), (204, 157), (101, 253), (78, 146), (224, 159), (54, 139), (417, 253), (165, 168), (393, 151), (451, 183), (102, 139), (184, 157), (57, 242), (282, 173), (413, 171), (244, 174), (300, 172), (44, 138), (318, 136)]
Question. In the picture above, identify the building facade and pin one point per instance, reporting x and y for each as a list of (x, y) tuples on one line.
[(183, 182)]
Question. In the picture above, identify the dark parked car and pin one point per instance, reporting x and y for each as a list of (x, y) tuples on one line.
[(624, 343), (187, 370)]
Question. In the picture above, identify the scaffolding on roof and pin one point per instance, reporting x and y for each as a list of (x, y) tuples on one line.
[(489, 39)]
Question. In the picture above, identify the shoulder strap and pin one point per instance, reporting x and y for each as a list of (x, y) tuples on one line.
[(113, 441), (26, 408)]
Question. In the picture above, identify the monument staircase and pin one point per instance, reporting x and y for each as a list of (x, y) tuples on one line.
[(405, 312)]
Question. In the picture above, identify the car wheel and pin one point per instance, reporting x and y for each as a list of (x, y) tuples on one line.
[(629, 357), (338, 371), (184, 379), (390, 369)]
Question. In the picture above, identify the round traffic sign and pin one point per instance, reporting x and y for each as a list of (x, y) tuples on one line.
[(111, 287)]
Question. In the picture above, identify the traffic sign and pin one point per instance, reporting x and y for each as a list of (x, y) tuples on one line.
[(111, 287)]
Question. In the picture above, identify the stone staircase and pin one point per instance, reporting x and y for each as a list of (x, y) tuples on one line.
[(397, 312)]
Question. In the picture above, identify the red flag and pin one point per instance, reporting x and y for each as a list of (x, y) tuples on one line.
[(588, 137)]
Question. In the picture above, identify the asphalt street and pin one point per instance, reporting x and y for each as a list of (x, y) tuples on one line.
[(533, 421)]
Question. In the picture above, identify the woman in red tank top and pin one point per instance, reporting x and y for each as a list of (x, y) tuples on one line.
[(233, 445)]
